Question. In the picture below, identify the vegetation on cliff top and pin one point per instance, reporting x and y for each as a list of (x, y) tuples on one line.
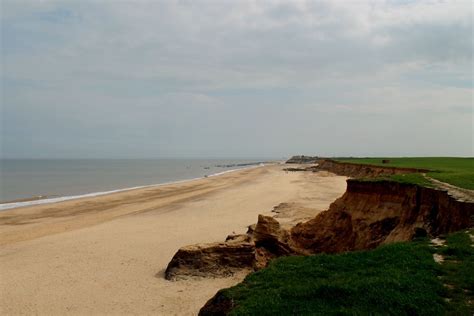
[(456, 171), (396, 279)]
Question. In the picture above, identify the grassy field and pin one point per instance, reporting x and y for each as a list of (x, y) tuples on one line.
[(456, 171), (396, 279)]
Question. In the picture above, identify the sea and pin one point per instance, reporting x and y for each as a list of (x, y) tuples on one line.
[(26, 182)]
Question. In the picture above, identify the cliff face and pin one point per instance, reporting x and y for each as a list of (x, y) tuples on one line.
[(369, 213), (356, 170), (372, 213)]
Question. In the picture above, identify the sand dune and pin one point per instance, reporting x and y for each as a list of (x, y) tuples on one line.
[(107, 255)]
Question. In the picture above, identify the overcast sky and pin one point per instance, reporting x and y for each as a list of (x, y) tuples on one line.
[(126, 79)]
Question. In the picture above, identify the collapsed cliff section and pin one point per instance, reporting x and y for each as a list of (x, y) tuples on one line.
[(219, 259), (357, 170), (214, 259), (251, 251), (369, 213)]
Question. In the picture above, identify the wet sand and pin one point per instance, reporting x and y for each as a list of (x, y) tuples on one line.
[(107, 254)]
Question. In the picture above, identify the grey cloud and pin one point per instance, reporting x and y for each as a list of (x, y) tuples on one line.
[(234, 78)]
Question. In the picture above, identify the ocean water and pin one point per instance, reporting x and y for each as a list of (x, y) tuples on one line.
[(60, 179)]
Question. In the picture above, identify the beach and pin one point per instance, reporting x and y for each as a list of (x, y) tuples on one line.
[(107, 254)]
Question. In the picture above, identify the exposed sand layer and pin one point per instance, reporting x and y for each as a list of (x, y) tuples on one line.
[(107, 255)]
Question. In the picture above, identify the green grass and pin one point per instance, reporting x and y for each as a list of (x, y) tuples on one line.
[(456, 171), (458, 272), (397, 279)]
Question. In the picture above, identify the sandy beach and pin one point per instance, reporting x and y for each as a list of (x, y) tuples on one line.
[(107, 254)]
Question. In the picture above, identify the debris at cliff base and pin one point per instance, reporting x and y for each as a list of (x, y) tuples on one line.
[(211, 260)]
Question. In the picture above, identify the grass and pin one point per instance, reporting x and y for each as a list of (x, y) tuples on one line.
[(397, 279), (456, 171), (458, 272)]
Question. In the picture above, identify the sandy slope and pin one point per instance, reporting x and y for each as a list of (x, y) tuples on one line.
[(106, 255)]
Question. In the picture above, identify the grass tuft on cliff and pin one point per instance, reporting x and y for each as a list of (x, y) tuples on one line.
[(456, 171), (396, 279)]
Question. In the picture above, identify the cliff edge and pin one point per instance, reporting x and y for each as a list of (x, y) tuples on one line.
[(369, 213)]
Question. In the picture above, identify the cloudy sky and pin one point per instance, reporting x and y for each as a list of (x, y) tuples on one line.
[(126, 79)]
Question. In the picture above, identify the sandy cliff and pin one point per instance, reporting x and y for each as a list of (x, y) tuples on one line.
[(372, 213), (368, 214)]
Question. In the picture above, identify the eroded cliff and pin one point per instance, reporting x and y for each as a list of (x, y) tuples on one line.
[(369, 213), (375, 212)]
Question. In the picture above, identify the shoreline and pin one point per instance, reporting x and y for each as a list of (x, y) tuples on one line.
[(108, 254), (44, 199)]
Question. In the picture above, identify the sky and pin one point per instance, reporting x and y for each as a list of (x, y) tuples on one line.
[(153, 79)]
